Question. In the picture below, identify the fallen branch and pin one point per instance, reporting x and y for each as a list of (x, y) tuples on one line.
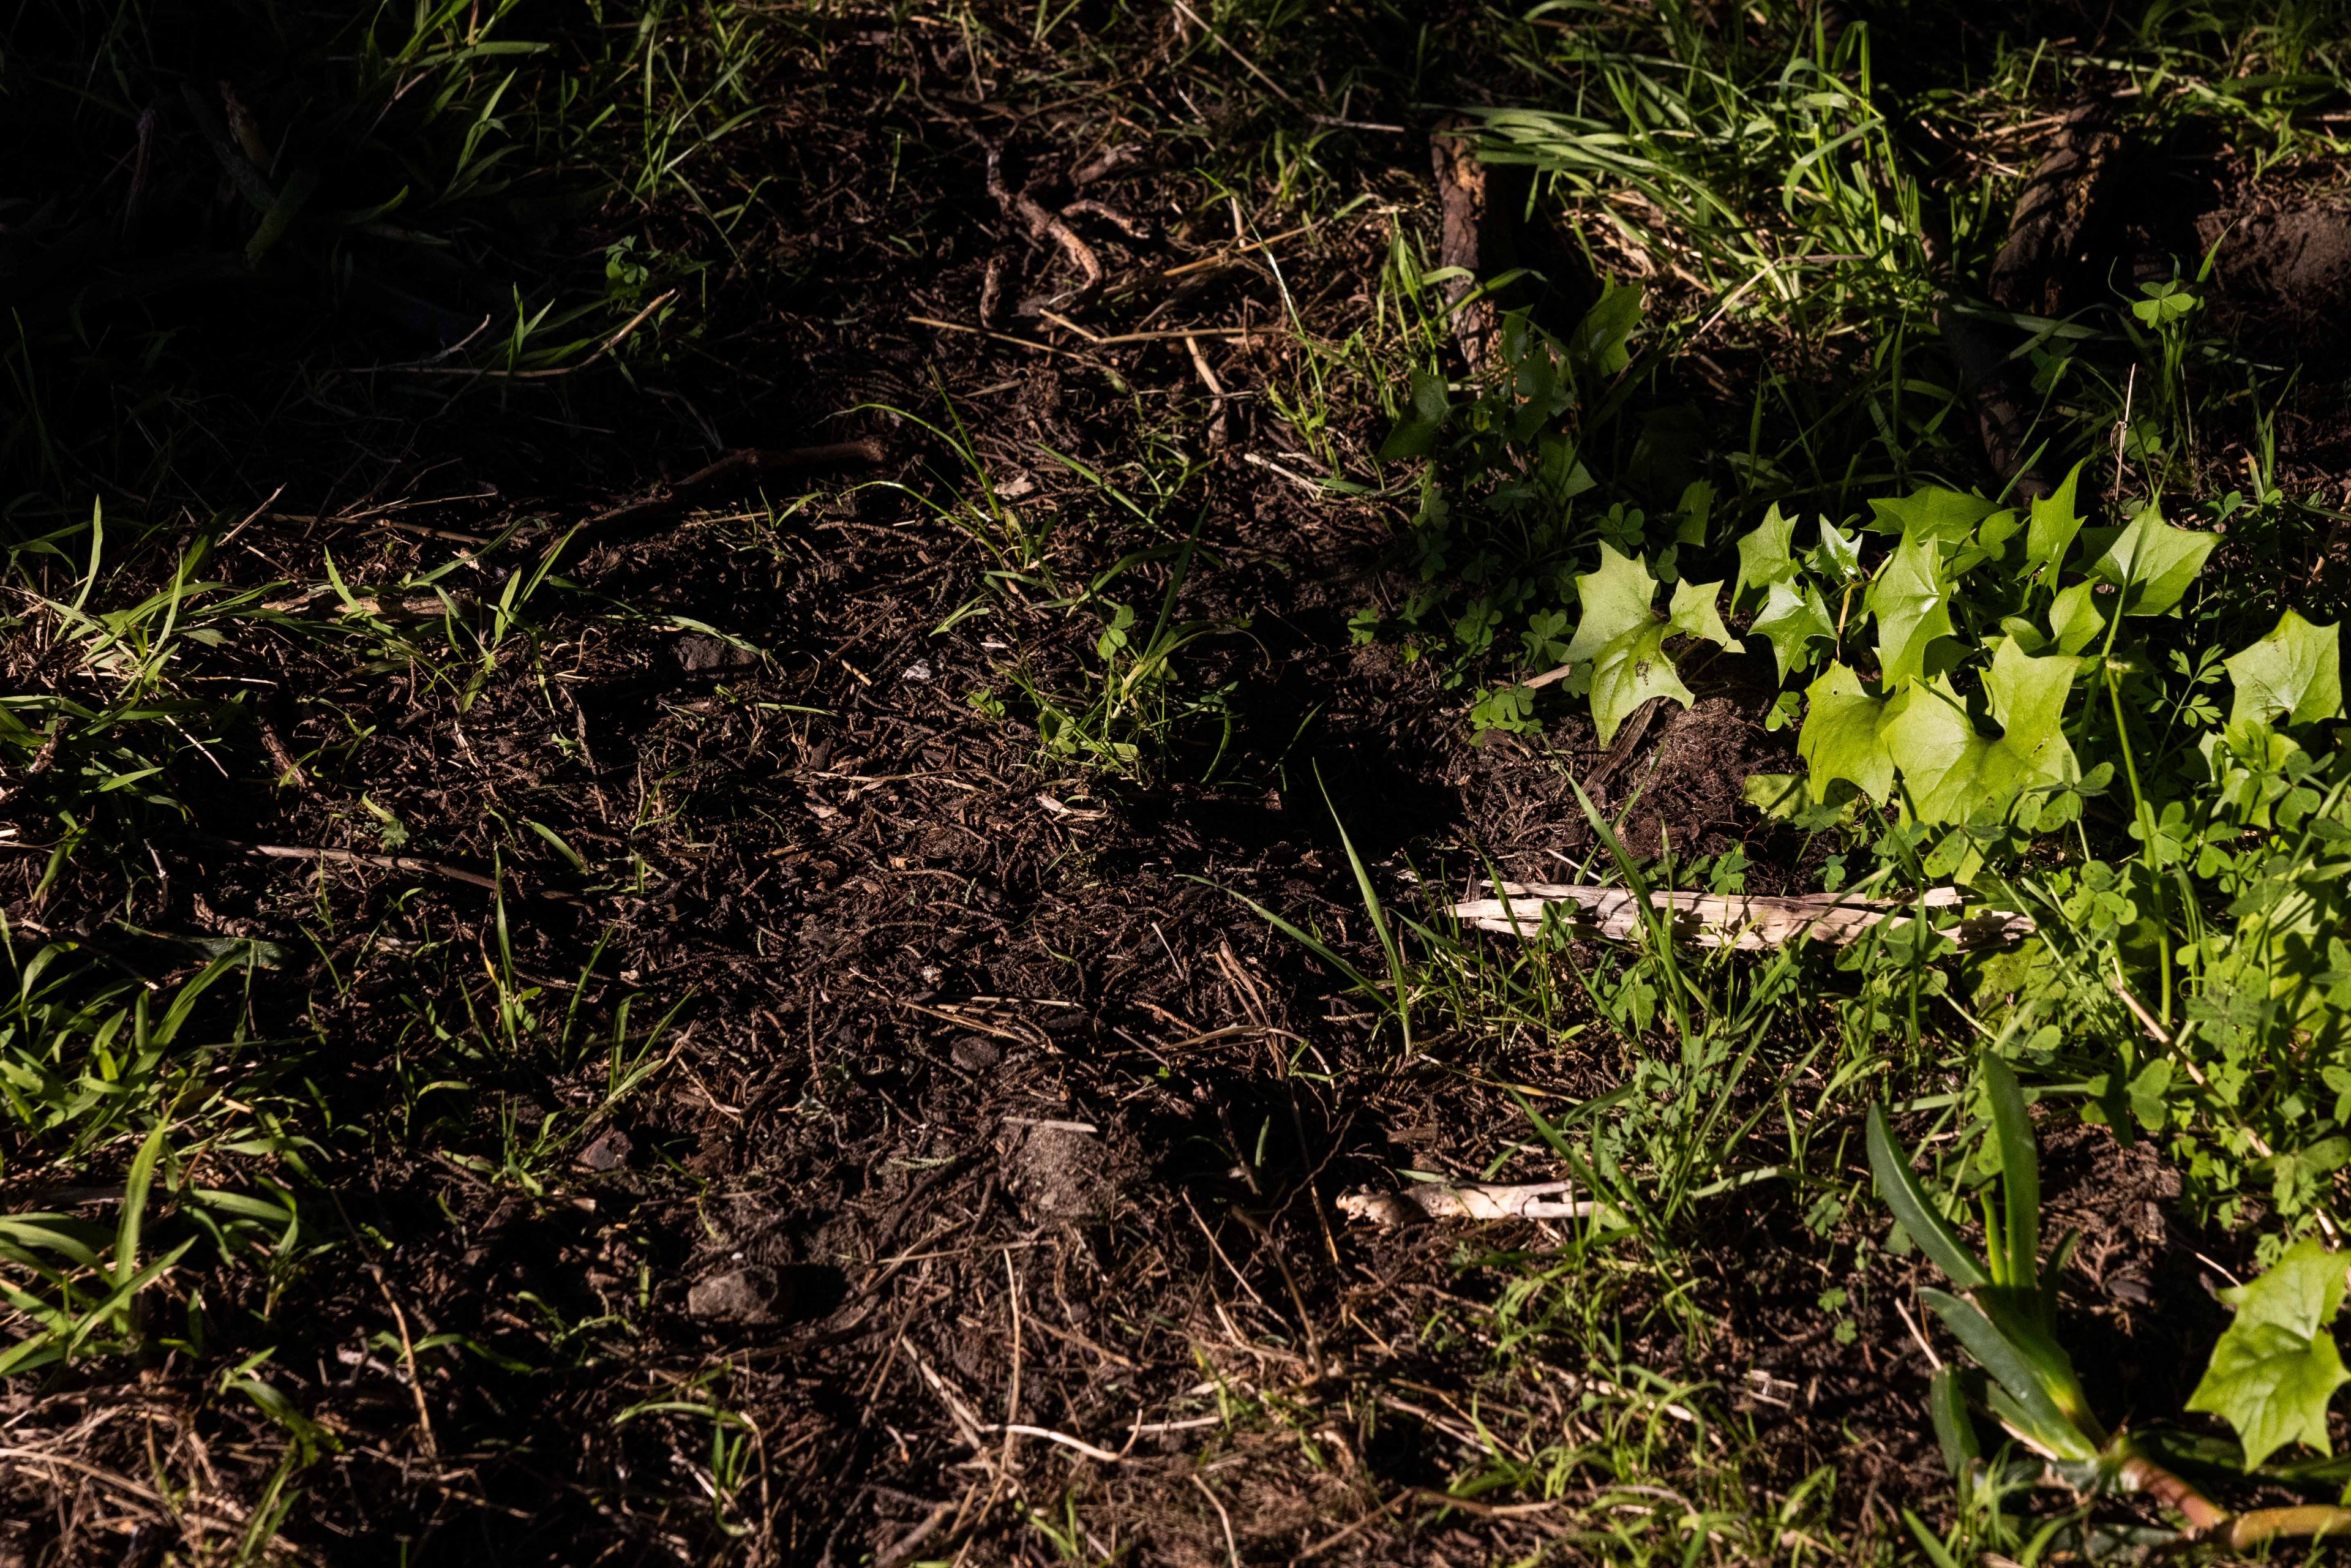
[(1466, 240), (2039, 263), (1748, 922)]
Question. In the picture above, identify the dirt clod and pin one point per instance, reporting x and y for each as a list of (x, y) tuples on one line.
[(1059, 1173), (975, 1053), (739, 1295), (2285, 278)]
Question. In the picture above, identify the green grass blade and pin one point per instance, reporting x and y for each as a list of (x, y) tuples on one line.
[(1903, 1195), (2020, 1163), (1311, 942), (1936, 1553), (2046, 1426), (121, 1296), (1380, 927), (1955, 1432), (134, 1204)]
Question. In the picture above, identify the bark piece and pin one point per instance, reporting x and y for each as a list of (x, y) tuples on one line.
[(2053, 233), (1472, 237), (2059, 227)]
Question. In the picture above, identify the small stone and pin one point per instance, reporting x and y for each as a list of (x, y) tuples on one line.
[(739, 1295), (973, 1054), (699, 654), (919, 670), (610, 1152)]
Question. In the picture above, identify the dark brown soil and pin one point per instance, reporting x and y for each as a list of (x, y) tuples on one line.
[(988, 1104), (2286, 280)]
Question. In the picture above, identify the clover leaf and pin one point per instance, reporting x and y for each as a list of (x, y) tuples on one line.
[(2295, 671), (2165, 303), (2276, 1366)]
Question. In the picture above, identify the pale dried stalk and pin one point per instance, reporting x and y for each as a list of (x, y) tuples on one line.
[(1464, 1200), (1746, 922)]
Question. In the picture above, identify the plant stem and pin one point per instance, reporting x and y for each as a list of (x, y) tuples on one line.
[(2147, 836), (2313, 1519), (2144, 1475)]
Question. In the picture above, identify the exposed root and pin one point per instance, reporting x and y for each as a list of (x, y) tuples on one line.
[(1044, 225), (1133, 228)]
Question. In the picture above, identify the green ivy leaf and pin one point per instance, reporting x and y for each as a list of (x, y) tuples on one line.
[(1838, 555), (1423, 417), (2146, 1091), (1840, 738), (2276, 1366), (2024, 632), (1949, 769), (1695, 508), (1931, 512), (2051, 532), (1790, 619), (2295, 671), (1622, 639), (1989, 542), (1627, 673), (1695, 610), (1615, 600), (2074, 617), (1764, 557), (2153, 562), (1599, 345), (1912, 603)]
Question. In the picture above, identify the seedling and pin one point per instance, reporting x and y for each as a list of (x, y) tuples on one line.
[(2004, 1314)]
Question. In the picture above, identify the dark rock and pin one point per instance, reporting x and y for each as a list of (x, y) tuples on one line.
[(698, 653), (610, 1152)]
